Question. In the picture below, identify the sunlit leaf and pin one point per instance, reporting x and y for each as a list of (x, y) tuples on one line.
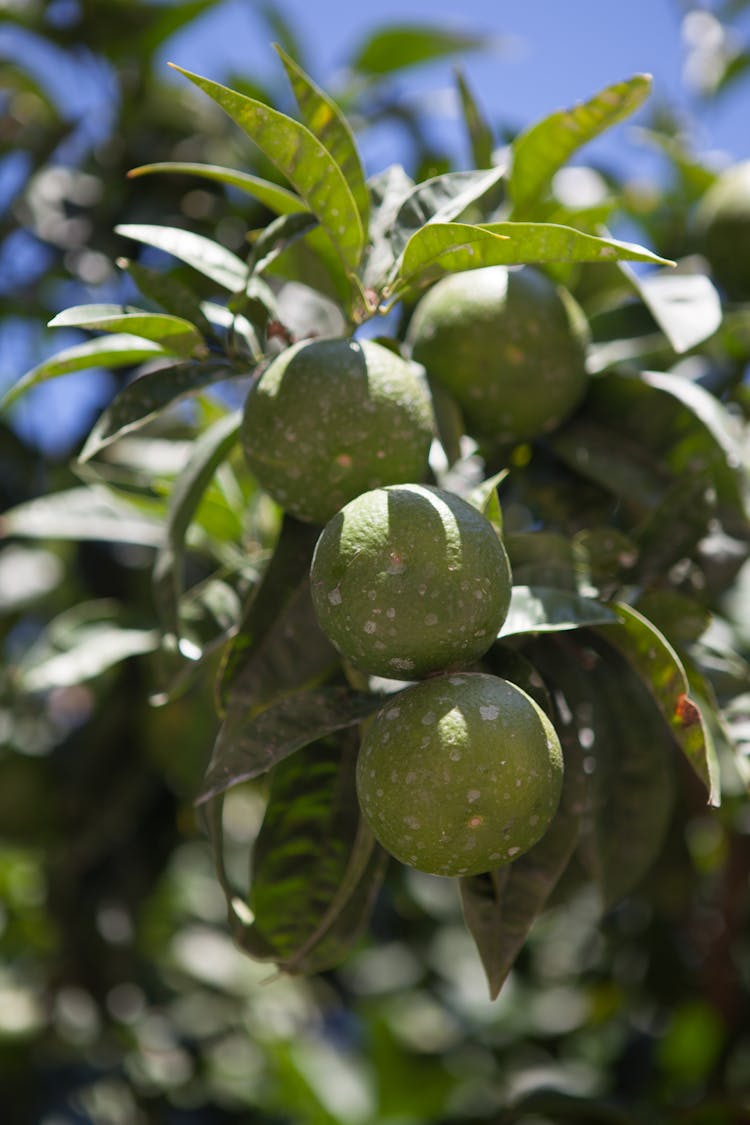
[(203, 254), (82, 514), (542, 149), (169, 292), (301, 157), (172, 332), (686, 306), (440, 248), (400, 45), (273, 196), (484, 497), (325, 120), (81, 644), (544, 609), (247, 747), (119, 350), (660, 668), (477, 128), (279, 235), (439, 200), (210, 449), (388, 190)]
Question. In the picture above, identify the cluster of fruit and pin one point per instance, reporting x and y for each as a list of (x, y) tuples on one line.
[(462, 771)]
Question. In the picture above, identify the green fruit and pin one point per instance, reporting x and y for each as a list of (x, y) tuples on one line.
[(508, 344), (409, 580), (329, 419), (459, 774), (723, 227)]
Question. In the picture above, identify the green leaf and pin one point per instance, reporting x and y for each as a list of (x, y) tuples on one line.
[(654, 660), (325, 120), (249, 745), (477, 128), (501, 906), (301, 157), (544, 609), (402, 45), (79, 645), (169, 293), (438, 200), (278, 235), (203, 254), (210, 449), (172, 332), (143, 399), (109, 351), (625, 789), (686, 306), (440, 248), (273, 196), (484, 497), (81, 514), (388, 190), (543, 149), (309, 859), (279, 645)]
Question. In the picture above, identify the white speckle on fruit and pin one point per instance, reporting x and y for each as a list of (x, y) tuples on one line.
[(428, 718), (402, 664), (393, 713), (455, 755), (334, 596), (489, 713), (412, 822), (411, 777), (456, 681), (473, 795), (370, 626), (431, 619), (513, 851), (390, 612)]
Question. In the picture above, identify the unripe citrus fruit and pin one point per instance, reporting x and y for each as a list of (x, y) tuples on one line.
[(723, 225), (329, 419), (509, 345), (409, 580), (459, 774)]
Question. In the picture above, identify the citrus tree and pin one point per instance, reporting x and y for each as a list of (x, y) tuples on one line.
[(443, 490)]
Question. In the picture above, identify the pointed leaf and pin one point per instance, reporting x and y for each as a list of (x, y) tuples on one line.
[(541, 150), (304, 161), (440, 199), (81, 514), (440, 248), (247, 747), (172, 332), (143, 399), (500, 907), (81, 644), (273, 196), (544, 609), (169, 293), (278, 235), (109, 351), (686, 306), (655, 661), (203, 254), (479, 132), (401, 45), (325, 120), (211, 448), (484, 497), (625, 790)]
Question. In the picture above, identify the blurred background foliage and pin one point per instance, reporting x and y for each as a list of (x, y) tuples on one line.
[(122, 998)]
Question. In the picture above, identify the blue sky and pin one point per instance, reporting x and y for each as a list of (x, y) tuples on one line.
[(550, 54)]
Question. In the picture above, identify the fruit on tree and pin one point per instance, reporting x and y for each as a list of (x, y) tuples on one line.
[(329, 419), (723, 226), (459, 774), (409, 580), (509, 345)]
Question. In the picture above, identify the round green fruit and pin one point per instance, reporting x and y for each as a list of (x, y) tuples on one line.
[(329, 419), (723, 227), (509, 345), (409, 580), (459, 774)]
